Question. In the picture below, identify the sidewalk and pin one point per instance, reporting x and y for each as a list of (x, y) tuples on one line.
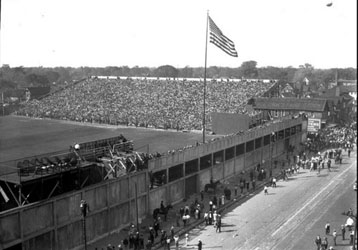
[(115, 238)]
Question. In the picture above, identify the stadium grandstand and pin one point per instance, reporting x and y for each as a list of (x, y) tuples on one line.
[(147, 102)]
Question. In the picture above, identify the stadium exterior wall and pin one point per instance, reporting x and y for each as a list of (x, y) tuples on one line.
[(57, 223)]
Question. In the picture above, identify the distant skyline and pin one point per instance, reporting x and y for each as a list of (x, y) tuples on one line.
[(152, 33)]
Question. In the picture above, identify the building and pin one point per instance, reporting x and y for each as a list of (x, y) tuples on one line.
[(315, 109)]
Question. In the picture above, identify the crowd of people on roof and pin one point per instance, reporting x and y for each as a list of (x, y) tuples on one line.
[(169, 104)]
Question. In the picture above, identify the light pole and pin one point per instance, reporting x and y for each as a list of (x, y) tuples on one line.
[(136, 205), (272, 140), (84, 209)]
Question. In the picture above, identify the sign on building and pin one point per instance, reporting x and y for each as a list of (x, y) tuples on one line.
[(313, 125)]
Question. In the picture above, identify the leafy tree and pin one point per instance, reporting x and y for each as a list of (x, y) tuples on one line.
[(166, 71), (36, 80), (186, 72), (248, 69), (52, 76)]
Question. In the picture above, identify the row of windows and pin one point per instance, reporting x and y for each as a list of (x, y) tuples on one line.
[(177, 172)]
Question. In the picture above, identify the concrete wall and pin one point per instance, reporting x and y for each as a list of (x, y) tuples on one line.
[(239, 164), (229, 168), (204, 178), (57, 223)]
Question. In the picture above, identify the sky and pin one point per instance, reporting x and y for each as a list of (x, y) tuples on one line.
[(151, 33)]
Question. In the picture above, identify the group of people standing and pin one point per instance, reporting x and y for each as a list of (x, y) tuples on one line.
[(322, 243)]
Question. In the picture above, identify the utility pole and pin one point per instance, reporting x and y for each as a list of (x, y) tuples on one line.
[(136, 205), (84, 209), (272, 140)]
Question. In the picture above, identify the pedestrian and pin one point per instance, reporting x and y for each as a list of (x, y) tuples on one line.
[(184, 218), (149, 245), (215, 215), (181, 211), (210, 205), (329, 165), (350, 212), (210, 215), (351, 235), (253, 184), (274, 182), (334, 234), (186, 239), (311, 166), (266, 190), (215, 202), (162, 207), (196, 214), (343, 228), (178, 217), (156, 228), (172, 232), (186, 210), (206, 218), (176, 242), (247, 185), (125, 243), (349, 152), (327, 228), (168, 243), (163, 237), (236, 187), (136, 241), (318, 242), (319, 169), (324, 243), (218, 224), (200, 245), (251, 175), (242, 186)]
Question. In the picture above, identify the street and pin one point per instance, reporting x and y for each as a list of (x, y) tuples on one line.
[(290, 216)]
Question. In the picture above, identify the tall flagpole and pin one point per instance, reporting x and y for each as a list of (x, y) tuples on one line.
[(206, 52)]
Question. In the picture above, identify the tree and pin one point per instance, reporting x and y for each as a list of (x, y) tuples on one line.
[(248, 69), (304, 71), (36, 80), (52, 76), (186, 72), (166, 71)]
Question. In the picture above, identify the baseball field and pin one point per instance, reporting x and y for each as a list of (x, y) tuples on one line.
[(23, 137)]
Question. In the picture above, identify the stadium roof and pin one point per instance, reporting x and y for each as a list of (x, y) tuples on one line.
[(304, 104)]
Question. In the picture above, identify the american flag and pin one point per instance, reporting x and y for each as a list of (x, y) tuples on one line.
[(220, 40)]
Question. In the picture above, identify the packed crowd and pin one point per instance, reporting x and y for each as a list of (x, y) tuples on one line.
[(336, 137), (171, 104)]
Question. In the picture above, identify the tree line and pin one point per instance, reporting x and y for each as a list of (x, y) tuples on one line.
[(13, 79)]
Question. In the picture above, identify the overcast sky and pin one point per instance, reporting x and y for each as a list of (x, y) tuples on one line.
[(158, 32)]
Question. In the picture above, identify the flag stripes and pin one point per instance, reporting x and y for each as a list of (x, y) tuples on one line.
[(220, 40)]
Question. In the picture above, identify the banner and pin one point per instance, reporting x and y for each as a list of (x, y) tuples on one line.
[(313, 125)]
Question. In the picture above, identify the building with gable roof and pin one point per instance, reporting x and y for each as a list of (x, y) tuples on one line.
[(313, 108)]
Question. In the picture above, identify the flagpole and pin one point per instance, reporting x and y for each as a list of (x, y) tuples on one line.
[(206, 52)]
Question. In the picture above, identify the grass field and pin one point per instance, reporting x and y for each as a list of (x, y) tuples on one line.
[(23, 137)]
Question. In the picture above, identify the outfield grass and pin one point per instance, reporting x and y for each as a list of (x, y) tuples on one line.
[(23, 137)]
